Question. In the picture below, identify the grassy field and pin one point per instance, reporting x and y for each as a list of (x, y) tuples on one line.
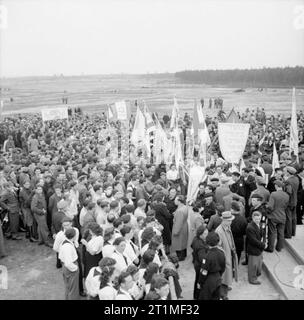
[(93, 93)]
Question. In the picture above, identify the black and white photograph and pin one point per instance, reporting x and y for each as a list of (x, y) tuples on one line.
[(152, 150)]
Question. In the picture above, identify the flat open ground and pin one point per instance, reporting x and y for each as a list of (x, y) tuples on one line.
[(93, 93)]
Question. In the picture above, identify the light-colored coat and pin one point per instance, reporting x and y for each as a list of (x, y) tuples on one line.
[(180, 229), (227, 276)]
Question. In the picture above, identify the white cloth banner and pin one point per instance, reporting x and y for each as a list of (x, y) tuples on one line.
[(196, 175), (232, 140), (121, 110), (54, 114)]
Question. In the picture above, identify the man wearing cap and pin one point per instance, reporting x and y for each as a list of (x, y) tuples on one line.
[(237, 186), (54, 199), (261, 190), (277, 206), (9, 201), (222, 191), (291, 187), (278, 175), (208, 207), (62, 207), (228, 245), (255, 246)]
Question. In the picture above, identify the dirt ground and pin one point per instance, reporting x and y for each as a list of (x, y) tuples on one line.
[(93, 93), (32, 275)]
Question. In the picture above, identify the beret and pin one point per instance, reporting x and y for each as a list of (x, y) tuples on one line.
[(260, 180), (279, 183), (256, 196), (291, 170)]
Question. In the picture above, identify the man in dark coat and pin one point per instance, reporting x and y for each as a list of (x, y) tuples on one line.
[(9, 201), (277, 206), (164, 218), (255, 246), (200, 249), (277, 176), (238, 186), (238, 228), (300, 204), (212, 268), (209, 207), (291, 187)]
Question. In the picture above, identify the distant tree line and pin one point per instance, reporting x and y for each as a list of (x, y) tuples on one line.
[(266, 77)]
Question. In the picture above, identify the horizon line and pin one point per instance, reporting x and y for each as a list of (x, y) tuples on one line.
[(141, 74)]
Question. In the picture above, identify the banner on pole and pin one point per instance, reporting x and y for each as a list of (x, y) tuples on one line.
[(121, 110), (54, 114), (232, 140)]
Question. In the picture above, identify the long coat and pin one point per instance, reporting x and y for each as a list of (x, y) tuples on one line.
[(230, 255), (180, 229), (164, 218), (2, 248)]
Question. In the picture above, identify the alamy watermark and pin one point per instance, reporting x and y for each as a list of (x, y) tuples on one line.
[(298, 281), (298, 21), (3, 17), (3, 277)]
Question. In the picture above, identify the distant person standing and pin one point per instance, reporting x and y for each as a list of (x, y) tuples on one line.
[(64, 98), (33, 144), (202, 102), (210, 103)]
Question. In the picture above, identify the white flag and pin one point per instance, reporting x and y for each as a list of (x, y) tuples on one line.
[(294, 138), (275, 159), (150, 126), (1, 109)]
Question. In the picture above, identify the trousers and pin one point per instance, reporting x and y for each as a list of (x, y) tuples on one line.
[(71, 284), (254, 267), (275, 230), (43, 230), (291, 222)]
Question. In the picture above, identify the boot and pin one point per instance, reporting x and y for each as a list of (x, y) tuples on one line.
[(32, 239), (27, 233)]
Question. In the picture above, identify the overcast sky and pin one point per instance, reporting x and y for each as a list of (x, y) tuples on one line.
[(46, 37)]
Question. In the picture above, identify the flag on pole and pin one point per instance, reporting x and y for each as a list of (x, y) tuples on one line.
[(275, 159), (260, 149), (294, 138), (174, 116), (1, 109), (200, 130), (242, 165), (174, 144), (110, 114), (150, 125), (139, 135)]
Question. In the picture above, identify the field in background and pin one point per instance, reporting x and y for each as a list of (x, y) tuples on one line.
[(93, 93)]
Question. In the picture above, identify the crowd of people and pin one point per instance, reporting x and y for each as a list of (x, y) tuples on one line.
[(119, 230)]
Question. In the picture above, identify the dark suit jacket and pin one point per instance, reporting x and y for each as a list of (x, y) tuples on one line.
[(291, 187), (255, 246), (277, 205)]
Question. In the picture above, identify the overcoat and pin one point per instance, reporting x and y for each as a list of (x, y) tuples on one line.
[(230, 255), (180, 229)]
